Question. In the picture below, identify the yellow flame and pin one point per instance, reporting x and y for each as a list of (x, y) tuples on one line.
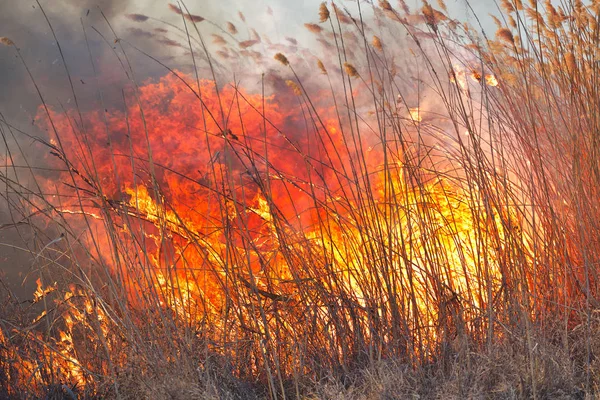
[(40, 292), (415, 114), (491, 80)]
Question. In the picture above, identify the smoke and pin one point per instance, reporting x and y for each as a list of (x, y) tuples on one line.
[(72, 47), (83, 32), (32, 28), (26, 25)]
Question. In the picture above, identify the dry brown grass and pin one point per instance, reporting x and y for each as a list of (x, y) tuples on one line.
[(461, 261)]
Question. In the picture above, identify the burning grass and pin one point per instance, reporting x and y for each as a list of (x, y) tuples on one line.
[(306, 236)]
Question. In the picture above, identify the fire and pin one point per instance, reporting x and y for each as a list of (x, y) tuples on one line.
[(40, 292), (415, 114), (221, 211), (226, 217), (77, 314), (299, 224), (491, 80), (458, 75)]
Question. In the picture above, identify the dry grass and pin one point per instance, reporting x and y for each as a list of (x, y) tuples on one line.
[(384, 231)]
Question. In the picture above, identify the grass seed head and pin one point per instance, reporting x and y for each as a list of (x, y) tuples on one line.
[(323, 12), (294, 86), (404, 6), (505, 35), (377, 43), (193, 18), (231, 28), (442, 5), (507, 6), (247, 43), (321, 67), (175, 9), (432, 17), (350, 70), (341, 15), (6, 41), (384, 4), (282, 59), (314, 28), (219, 40)]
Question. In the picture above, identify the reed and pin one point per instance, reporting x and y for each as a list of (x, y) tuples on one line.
[(420, 219)]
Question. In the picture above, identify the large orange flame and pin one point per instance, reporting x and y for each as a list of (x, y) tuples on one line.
[(205, 199)]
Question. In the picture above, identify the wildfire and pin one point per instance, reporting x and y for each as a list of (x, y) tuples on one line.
[(221, 212), (204, 244)]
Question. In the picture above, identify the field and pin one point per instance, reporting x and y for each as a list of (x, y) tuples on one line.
[(404, 207)]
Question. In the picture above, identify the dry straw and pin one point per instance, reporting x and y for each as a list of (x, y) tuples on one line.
[(571, 63)]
